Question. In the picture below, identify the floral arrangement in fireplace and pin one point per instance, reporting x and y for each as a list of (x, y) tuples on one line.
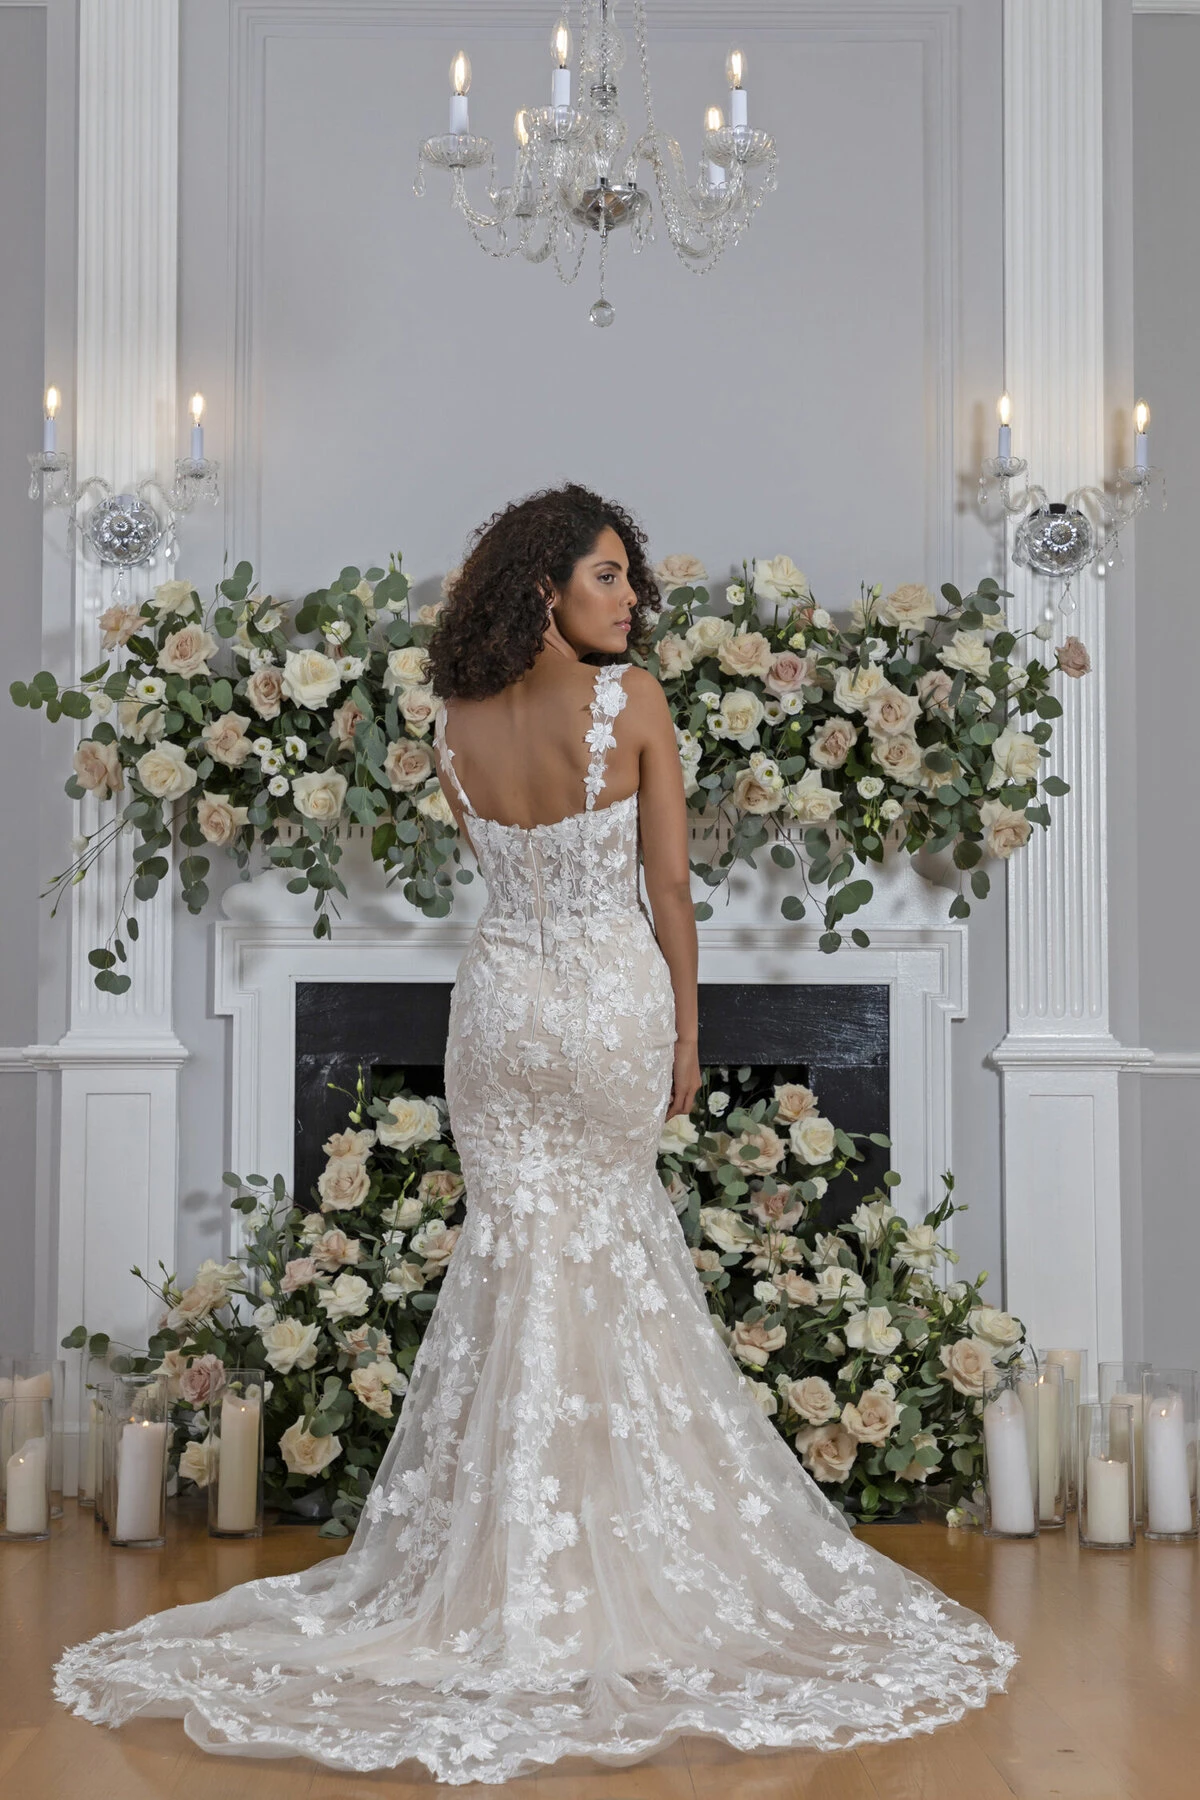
[(258, 730), (871, 1369), (921, 725)]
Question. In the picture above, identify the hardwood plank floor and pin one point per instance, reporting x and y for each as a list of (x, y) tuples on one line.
[(1104, 1705)]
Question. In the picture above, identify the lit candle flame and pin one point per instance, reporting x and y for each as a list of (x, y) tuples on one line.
[(735, 68), (196, 406), (714, 119), (521, 128), (1004, 409), (53, 401), (560, 44), (1141, 415), (460, 73)]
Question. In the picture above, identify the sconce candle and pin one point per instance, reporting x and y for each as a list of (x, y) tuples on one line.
[(50, 424), (560, 50), (460, 81), (197, 412), (1141, 443), (735, 70), (1004, 440)]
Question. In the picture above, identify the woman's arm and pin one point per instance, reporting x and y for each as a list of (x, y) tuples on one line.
[(663, 825)]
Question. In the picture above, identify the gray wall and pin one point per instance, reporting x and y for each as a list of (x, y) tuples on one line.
[(22, 312), (1166, 161)]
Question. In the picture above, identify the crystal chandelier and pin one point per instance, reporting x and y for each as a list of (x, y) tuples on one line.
[(569, 178)]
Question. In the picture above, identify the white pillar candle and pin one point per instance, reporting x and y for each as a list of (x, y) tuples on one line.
[(1108, 1520), (237, 1470), (1010, 1487), (26, 1508), (739, 109), (140, 1459), (1049, 1442), (35, 1389), (1168, 1483)]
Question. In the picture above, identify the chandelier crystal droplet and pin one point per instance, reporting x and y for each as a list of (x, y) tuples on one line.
[(573, 175)]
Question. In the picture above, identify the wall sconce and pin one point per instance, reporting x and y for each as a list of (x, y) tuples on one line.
[(123, 529), (1058, 538)]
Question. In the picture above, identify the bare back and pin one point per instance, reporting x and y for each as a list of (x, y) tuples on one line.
[(522, 754)]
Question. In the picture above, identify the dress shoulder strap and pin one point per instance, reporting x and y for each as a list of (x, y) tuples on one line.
[(446, 756), (607, 701)]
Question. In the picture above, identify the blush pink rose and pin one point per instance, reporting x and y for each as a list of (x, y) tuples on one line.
[(202, 1380)]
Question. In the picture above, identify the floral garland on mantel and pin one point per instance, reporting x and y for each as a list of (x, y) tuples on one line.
[(871, 1369), (906, 728)]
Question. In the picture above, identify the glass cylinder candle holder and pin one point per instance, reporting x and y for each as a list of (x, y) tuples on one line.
[(138, 1441), (97, 1382), (235, 1482), (26, 1425), (1169, 1424), (1120, 1384), (1049, 1389), (1010, 1453), (1106, 1475)]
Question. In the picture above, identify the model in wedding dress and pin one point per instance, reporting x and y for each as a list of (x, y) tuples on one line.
[(585, 1538)]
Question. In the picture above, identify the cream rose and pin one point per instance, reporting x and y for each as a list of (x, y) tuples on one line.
[(199, 1461), (118, 624), (919, 1247), (309, 678), (831, 743), (908, 607), (434, 805), (333, 1249), (98, 768), (968, 651), (165, 772), (674, 656), (1015, 757), (750, 795), (347, 1298), (813, 1139), (343, 1184), (745, 653), (726, 1229), (344, 722), (373, 1385), (873, 1332), (871, 1418), (918, 1470), (435, 1244), (707, 633), (813, 1399), (441, 1187), (358, 1341), (407, 667), (676, 1134), (186, 652), (208, 1293), (707, 1261), (777, 578), (871, 1221), (828, 1451), (809, 801), (305, 1454), (173, 596), (995, 1328), (405, 1213), (968, 1366), (409, 1122), (738, 717), (679, 571), (419, 707), (796, 1289), (836, 1283), (319, 795), (407, 765), (794, 1102), (759, 1149), (140, 723), (855, 687), (756, 1344), (348, 1143), (899, 757), (889, 711), (219, 822), (933, 690), (1072, 658), (264, 691), (1004, 829)]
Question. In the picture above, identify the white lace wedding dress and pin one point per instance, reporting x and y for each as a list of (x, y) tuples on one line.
[(585, 1537)]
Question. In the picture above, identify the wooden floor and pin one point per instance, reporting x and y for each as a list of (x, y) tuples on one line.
[(1104, 1705)]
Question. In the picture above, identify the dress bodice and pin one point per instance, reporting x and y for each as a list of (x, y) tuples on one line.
[(579, 868)]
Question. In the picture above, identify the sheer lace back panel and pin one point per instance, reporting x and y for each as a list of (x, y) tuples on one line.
[(585, 1537)]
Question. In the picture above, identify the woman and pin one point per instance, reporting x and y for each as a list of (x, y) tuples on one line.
[(585, 1538)]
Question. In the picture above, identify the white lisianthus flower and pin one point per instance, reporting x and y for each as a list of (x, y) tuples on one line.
[(870, 787), (718, 1102), (271, 761), (791, 704), (337, 631), (261, 746), (821, 619), (150, 687), (263, 1317), (278, 786), (986, 698), (295, 749), (260, 659), (99, 704), (676, 1134), (350, 667), (891, 810)]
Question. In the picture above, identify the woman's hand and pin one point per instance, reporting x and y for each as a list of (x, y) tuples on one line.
[(685, 1084)]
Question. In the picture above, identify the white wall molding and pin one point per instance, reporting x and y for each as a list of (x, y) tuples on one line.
[(117, 1063), (1059, 1062)]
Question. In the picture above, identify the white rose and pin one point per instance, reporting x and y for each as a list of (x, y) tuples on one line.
[(814, 1139), (813, 1398), (434, 805), (871, 1222), (319, 795), (726, 1229), (707, 633), (199, 1459), (809, 801), (777, 578), (305, 1454), (1004, 829), (738, 717), (679, 571), (172, 597), (310, 678), (407, 667), (855, 687), (836, 1283), (375, 1384), (409, 1122), (919, 1247), (900, 756), (994, 1327), (347, 1298), (969, 651), (219, 822), (1016, 758), (676, 1133), (873, 1332), (186, 652), (164, 771), (140, 723), (674, 656), (718, 1103), (290, 1344), (909, 606)]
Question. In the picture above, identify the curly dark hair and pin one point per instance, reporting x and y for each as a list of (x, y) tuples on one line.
[(493, 624)]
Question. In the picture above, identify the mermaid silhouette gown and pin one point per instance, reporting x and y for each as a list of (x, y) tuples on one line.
[(585, 1537)]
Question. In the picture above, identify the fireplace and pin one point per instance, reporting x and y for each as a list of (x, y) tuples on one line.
[(834, 1038)]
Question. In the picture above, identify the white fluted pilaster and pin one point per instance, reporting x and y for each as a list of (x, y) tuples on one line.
[(118, 1061), (1059, 1060)]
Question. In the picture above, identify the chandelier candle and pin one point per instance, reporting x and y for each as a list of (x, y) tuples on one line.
[(714, 120), (50, 423), (560, 50), (735, 69), (460, 81)]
